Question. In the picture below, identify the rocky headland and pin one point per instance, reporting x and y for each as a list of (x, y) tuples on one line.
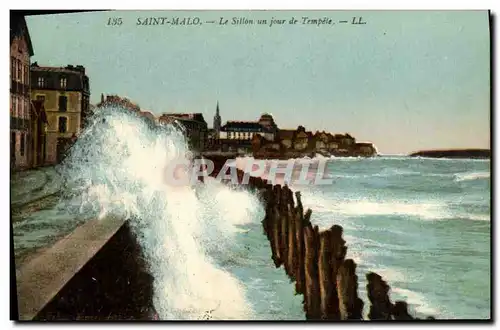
[(454, 153)]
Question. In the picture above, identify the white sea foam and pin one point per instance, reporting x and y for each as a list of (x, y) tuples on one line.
[(346, 212), (471, 176), (117, 167), (422, 306), (426, 210)]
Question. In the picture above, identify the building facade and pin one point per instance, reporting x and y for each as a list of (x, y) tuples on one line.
[(270, 127), (195, 126), (21, 51), (65, 93), (238, 135)]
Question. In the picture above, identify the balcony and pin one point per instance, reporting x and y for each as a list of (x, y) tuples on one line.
[(18, 88), (19, 123)]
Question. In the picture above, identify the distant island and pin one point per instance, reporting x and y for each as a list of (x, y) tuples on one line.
[(454, 153)]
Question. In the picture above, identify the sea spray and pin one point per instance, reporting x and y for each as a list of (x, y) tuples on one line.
[(116, 167)]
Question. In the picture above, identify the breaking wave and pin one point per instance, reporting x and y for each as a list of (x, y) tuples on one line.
[(355, 208), (471, 176), (116, 167)]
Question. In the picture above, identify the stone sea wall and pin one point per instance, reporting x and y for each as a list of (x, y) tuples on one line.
[(113, 285)]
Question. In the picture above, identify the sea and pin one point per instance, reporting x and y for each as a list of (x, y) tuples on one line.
[(422, 224)]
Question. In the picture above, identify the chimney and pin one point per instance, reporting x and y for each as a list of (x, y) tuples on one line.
[(102, 98)]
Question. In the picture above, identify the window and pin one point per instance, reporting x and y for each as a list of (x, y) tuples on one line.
[(63, 103), (19, 70), (20, 108), (22, 144), (27, 106), (41, 82), (26, 75), (63, 83), (15, 106), (63, 123), (12, 105), (13, 67)]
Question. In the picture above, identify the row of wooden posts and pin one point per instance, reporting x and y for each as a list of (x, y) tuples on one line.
[(317, 262)]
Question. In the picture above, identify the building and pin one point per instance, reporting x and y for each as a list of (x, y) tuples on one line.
[(302, 139), (238, 135), (65, 92), (195, 126), (149, 118), (212, 140), (38, 131), (263, 148), (286, 137), (21, 51), (126, 104), (332, 145), (270, 127), (345, 141), (365, 149), (299, 143), (115, 100)]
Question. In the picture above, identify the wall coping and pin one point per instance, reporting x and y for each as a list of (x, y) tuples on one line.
[(39, 280)]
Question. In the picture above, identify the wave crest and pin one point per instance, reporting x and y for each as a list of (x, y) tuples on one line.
[(116, 167)]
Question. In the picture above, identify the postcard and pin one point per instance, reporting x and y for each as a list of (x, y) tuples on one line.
[(250, 165)]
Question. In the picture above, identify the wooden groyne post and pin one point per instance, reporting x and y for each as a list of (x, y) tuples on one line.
[(316, 260)]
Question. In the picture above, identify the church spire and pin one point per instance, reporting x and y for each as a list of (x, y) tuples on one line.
[(217, 119)]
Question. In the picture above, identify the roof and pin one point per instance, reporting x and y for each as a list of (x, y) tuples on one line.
[(309, 134), (80, 70), (122, 101), (198, 117), (246, 125), (76, 79), (266, 116), (19, 27), (287, 134)]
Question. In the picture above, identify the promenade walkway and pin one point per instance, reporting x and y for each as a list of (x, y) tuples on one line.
[(38, 217)]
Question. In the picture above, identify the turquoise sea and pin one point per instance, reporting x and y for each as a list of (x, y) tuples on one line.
[(422, 224)]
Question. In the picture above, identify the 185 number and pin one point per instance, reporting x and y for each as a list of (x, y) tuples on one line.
[(114, 21)]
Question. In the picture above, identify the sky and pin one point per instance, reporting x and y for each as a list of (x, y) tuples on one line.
[(405, 80)]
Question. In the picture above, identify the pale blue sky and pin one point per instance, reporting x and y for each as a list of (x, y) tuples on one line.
[(405, 80)]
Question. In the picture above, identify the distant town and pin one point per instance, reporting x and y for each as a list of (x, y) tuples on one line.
[(49, 107)]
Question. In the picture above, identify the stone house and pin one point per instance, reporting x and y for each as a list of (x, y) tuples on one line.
[(195, 127), (21, 51), (65, 93), (286, 137), (301, 141), (366, 149)]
